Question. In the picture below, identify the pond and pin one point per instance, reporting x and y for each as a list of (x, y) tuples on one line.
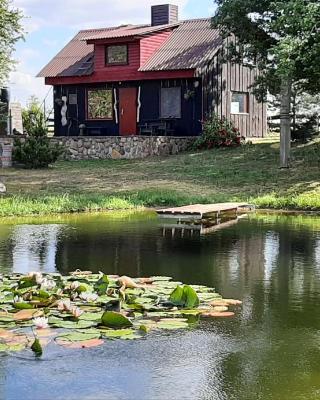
[(269, 350)]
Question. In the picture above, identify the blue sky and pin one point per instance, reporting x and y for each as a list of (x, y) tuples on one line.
[(52, 23)]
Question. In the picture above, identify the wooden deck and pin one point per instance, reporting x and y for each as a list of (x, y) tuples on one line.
[(203, 211)]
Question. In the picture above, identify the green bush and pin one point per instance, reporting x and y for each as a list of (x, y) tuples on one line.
[(32, 115), (36, 151), (218, 132)]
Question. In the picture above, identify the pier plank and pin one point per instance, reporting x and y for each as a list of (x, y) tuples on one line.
[(202, 211)]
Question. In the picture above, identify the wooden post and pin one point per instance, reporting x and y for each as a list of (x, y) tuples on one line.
[(285, 122)]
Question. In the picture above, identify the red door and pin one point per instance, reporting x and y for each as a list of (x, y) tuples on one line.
[(128, 111)]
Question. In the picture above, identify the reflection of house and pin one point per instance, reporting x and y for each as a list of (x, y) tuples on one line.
[(34, 248), (158, 79)]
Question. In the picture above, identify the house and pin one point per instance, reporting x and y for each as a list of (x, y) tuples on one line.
[(159, 79)]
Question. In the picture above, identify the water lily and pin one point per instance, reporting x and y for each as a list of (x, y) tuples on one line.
[(74, 285), (18, 299), (48, 284), (37, 276), (64, 305), (74, 296), (88, 297), (41, 322), (76, 312)]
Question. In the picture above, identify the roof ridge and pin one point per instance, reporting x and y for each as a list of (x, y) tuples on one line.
[(196, 19), (112, 28)]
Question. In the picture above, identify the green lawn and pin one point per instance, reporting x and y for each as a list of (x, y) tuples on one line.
[(249, 173)]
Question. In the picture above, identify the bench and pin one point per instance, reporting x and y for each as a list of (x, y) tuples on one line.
[(156, 128)]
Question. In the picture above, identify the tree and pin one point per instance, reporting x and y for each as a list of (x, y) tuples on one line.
[(11, 32), (281, 38), (32, 114), (36, 151)]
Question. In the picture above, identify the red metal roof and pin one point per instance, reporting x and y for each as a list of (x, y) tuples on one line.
[(128, 31), (189, 45)]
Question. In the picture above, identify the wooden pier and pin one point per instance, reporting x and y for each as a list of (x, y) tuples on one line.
[(204, 211)]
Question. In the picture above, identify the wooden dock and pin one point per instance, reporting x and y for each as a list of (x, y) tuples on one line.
[(181, 229), (204, 211)]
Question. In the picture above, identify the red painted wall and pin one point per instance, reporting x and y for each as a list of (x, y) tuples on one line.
[(117, 72), (139, 51), (150, 44)]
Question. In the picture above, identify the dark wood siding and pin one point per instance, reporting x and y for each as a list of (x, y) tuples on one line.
[(188, 125), (219, 81)]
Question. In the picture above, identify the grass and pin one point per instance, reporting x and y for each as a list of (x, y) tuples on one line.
[(249, 173)]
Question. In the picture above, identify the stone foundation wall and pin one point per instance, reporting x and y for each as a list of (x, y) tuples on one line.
[(117, 147), (107, 147)]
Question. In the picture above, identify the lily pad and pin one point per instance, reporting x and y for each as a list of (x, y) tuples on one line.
[(215, 314), (87, 316), (81, 324), (84, 344), (27, 314), (11, 347), (115, 320), (23, 306), (118, 333), (75, 336), (185, 297), (220, 308), (167, 324)]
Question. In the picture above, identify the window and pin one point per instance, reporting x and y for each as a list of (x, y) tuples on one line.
[(240, 103), (99, 104), (116, 55), (73, 99), (170, 102)]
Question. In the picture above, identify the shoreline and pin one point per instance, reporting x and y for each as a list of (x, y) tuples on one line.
[(136, 209)]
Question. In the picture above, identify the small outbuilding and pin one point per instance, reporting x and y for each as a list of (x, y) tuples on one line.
[(160, 79)]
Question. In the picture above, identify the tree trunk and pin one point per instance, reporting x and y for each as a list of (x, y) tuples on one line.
[(285, 122)]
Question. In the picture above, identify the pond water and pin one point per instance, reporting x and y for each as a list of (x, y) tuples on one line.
[(270, 350)]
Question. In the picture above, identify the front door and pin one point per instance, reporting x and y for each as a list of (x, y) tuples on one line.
[(128, 111)]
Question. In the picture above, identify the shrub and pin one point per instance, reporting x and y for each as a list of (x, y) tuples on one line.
[(36, 151), (32, 115), (218, 132)]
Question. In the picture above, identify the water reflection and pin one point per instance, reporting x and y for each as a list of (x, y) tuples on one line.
[(270, 351), (34, 247)]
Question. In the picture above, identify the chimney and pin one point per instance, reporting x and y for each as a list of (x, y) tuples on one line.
[(164, 14)]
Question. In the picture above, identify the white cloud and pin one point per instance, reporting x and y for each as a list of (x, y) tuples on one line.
[(24, 85), (66, 16), (87, 13)]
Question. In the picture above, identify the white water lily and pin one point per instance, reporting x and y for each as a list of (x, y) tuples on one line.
[(64, 305), (37, 276), (41, 322), (88, 297), (74, 285), (76, 312), (48, 284)]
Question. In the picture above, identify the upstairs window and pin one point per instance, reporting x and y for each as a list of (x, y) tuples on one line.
[(240, 103), (170, 102), (99, 104), (117, 55)]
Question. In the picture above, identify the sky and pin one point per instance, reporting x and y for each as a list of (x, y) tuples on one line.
[(50, 24)]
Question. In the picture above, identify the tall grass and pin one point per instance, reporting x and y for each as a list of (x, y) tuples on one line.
[(45, 205)]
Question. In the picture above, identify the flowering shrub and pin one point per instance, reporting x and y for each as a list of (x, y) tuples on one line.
[(218, 132)]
